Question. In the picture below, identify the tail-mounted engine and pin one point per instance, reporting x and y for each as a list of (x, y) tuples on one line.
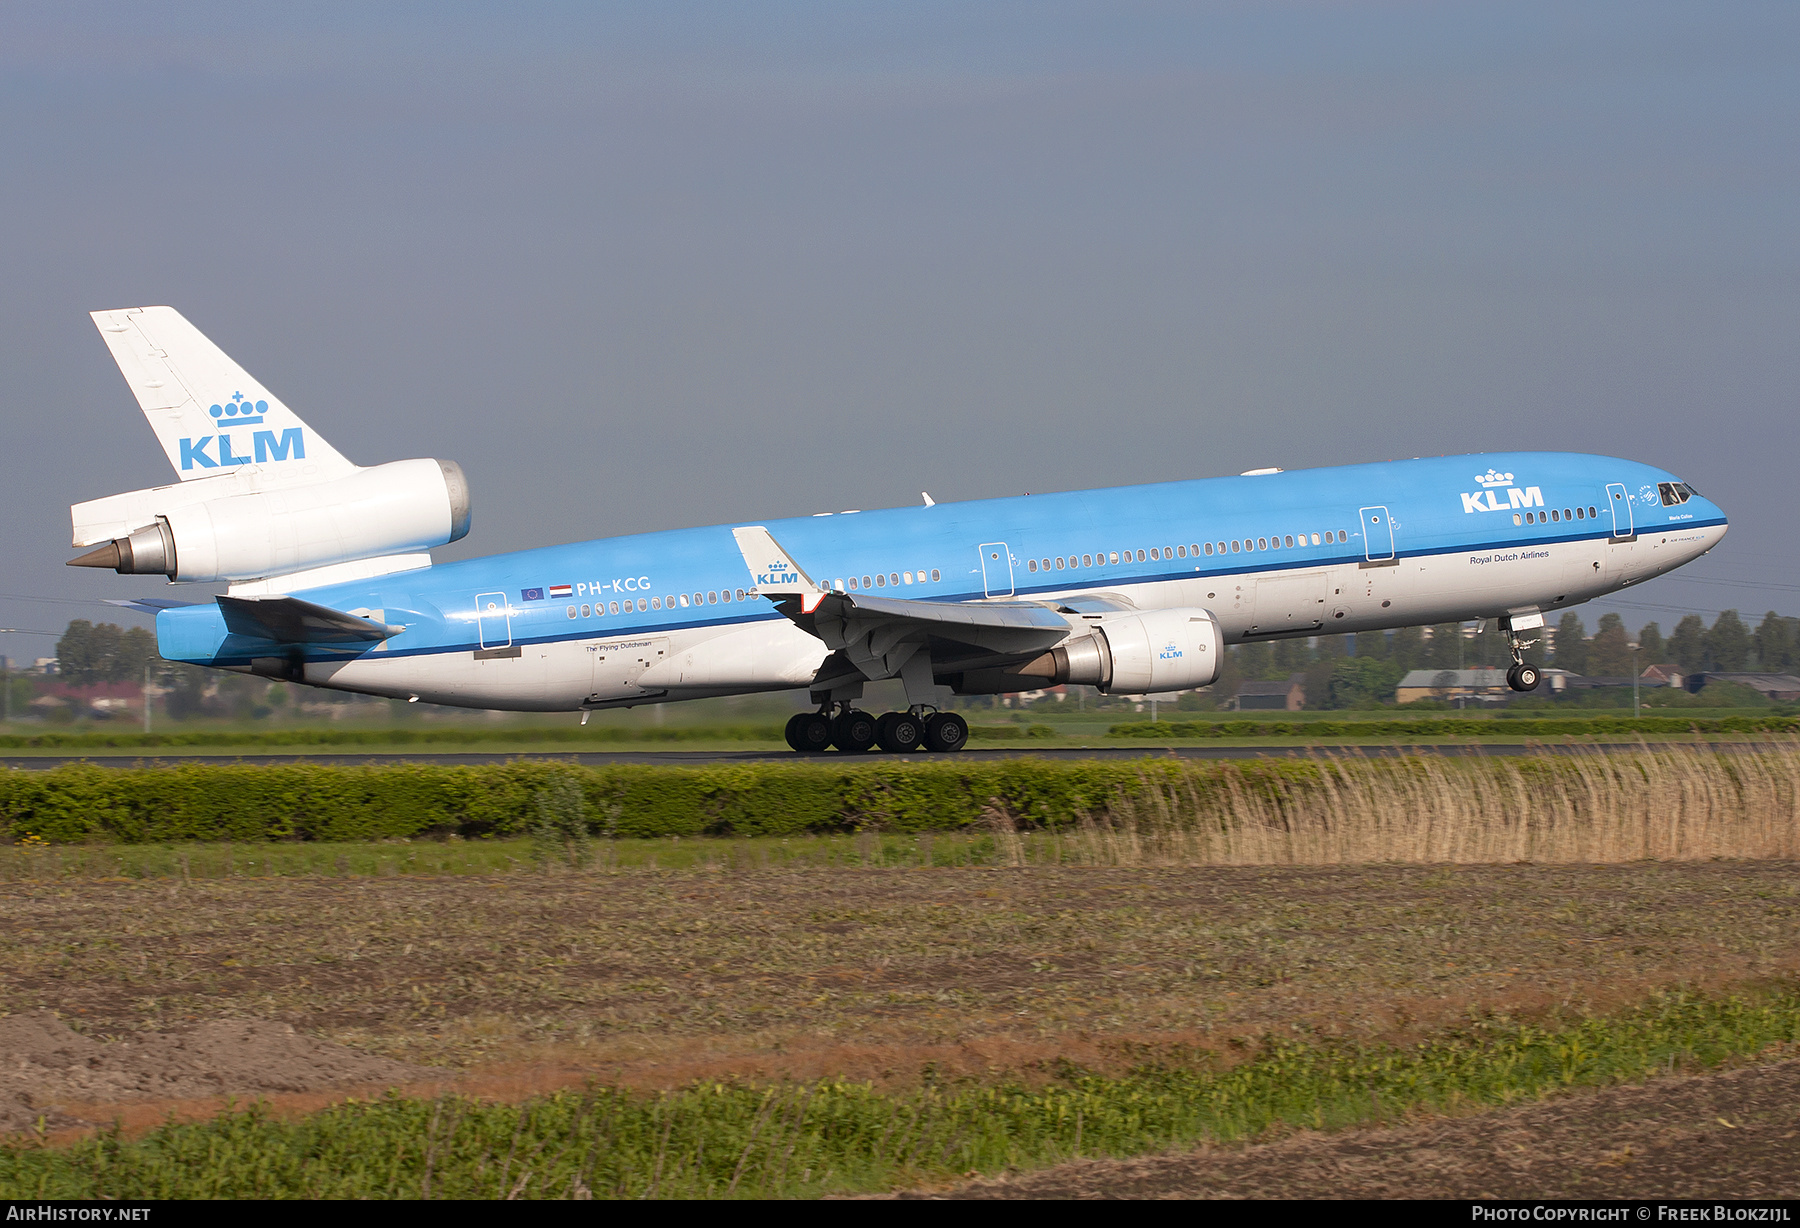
[(200, 531)]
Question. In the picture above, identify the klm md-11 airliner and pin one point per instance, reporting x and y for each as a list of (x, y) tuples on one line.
[(1134, 590)]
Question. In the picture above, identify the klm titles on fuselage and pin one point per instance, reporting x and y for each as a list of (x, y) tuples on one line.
[(1484, 500)]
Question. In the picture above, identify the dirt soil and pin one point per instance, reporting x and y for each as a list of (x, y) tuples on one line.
[(509, 985), (1732, 1135), (50, 1073)]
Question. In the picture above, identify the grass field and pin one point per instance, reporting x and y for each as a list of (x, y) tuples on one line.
[(834, 1136), (873, 1010)]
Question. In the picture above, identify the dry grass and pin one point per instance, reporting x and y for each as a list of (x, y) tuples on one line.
[(1672, 803)]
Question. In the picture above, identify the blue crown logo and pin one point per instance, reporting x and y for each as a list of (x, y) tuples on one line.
[(239, 412)]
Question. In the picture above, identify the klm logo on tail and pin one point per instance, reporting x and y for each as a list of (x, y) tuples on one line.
[(1485, 500), (265, 445)]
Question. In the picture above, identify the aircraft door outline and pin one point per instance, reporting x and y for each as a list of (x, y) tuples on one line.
[(1378, 533), (996, 569), (493, 620), (1619, 501)]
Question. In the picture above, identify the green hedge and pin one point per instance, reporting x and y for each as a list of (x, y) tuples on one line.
[(1427, 727), (80, 803), (455, 735)]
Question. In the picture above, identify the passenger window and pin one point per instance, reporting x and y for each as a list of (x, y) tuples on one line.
[(643, 605), (1315, 539), (1155, 553), (1529, 518), (1115, 556), (839, 584), (1518, 519), (1030, 564), (1262, 543), (1343, 536), (584, 612), (1579, 514), (934, 575), (1059, 563), (613, 608), (712, 598), (1592, 511), (853, 584), (573, 611), (1087, 560), (684, 601), (880, 581), (1288, 541), (866, 583), (1234, 545), (656, 603), (1566, 515), (1209, 547), (893, 577), (1181, 552), (1140, 556), (906, 576), (1555, 516)]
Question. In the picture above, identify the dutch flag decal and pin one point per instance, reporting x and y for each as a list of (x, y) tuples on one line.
[(558, 591)]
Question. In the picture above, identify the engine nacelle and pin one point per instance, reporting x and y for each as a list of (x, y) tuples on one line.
[(387, 509), (1130, 654)]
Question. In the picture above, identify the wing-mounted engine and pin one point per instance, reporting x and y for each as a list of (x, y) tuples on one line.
[(226, 528), (1128, 654)]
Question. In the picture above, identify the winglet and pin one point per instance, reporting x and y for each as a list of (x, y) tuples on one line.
[(772, 572)]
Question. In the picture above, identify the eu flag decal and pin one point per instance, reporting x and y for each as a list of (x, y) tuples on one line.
[(531, 594)]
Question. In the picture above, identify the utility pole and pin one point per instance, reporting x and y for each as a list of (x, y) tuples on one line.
[(6, 689), (146, 697), (1636, 673)]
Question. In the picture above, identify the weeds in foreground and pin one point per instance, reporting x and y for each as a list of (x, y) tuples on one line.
[(724, 1140)]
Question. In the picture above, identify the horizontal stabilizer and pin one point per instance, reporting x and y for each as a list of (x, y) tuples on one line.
[(149, 605), (289, 620)]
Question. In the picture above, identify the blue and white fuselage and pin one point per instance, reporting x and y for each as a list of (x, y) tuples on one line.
[(684, 614)]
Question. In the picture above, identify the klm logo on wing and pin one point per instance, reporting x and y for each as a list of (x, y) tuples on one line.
[(778, 576), (265, 445), (1486, 501)]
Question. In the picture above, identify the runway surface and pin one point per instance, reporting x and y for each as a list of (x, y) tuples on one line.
[(702, 758)]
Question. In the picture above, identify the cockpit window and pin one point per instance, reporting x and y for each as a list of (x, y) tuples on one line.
[(1674, 492)]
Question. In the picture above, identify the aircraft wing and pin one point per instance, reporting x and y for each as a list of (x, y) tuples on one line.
[(878, 634), (289, 620)]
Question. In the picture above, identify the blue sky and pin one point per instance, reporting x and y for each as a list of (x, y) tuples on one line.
[(638, 266)]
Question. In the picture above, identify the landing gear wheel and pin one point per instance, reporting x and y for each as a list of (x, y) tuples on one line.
[(1523, 677), (853, 732), (899, 733), (809, 732), (945, 732)]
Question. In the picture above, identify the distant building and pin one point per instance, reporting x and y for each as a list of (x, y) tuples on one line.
[(1484, 685), (1667, 675), (1288, 696), (1780, 688)]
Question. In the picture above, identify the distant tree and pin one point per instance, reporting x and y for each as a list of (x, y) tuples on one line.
[(1571, 644), (1609, 652), (1318, 680), (1288, 657), (1651, 649), (1407, 648), (1775, 643), (1253, 660), (1446, 648), (1363, 681), (1728, 643), (1688, 644), (87, 653), (1329, 647), (1372, 645), (1443, 682)]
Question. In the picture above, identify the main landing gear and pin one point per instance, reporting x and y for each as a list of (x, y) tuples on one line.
[(855, 732)]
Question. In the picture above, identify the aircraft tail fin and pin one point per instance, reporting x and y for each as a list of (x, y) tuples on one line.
[(773, 572), (208, 413)]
